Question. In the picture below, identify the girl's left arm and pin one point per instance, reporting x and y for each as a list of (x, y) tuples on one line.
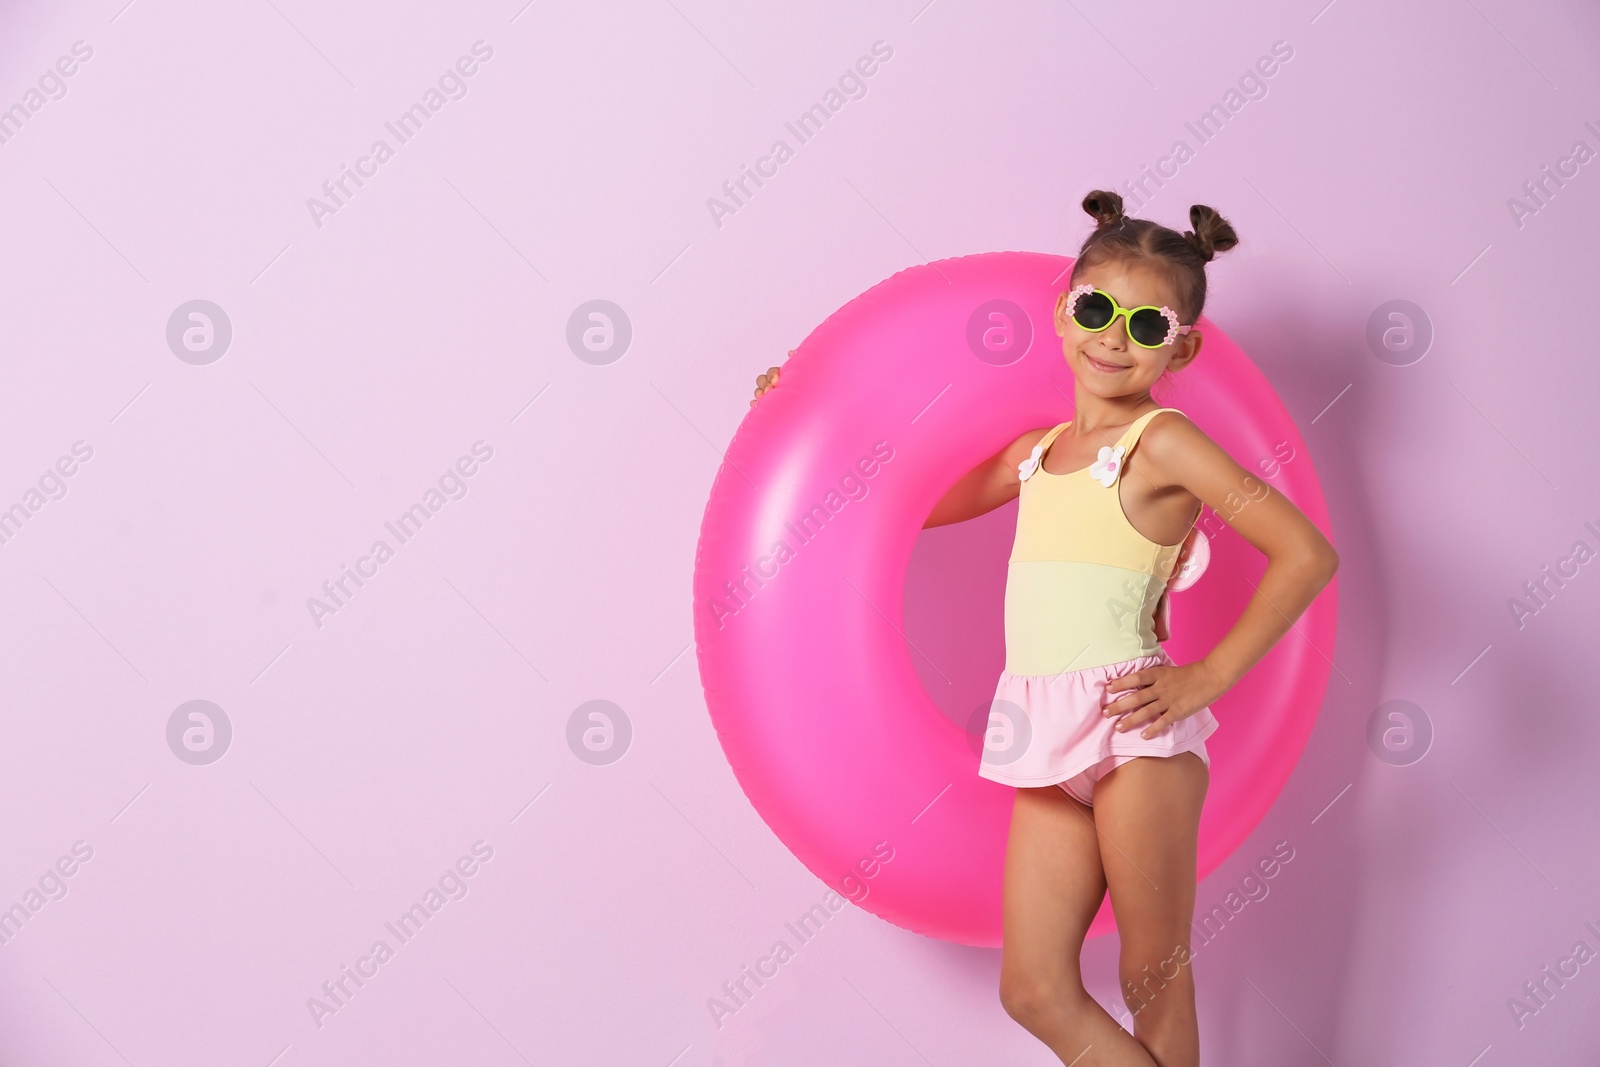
[(1300, 561)]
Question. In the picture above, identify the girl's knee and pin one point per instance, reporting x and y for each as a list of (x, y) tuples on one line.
[(1025, 996), (1043, 1002)]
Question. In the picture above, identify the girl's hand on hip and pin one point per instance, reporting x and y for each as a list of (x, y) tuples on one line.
[(1158, 696)]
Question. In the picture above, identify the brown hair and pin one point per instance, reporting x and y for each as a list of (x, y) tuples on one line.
[(1181, 256)]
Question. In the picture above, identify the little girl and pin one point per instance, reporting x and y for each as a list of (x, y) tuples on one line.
[(1107, 504)]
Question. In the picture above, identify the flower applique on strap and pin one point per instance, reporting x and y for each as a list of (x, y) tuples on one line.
[(1108, 466), (1026, 468)]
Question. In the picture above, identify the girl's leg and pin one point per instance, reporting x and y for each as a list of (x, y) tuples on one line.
[(1148, 815), (1053, 887)]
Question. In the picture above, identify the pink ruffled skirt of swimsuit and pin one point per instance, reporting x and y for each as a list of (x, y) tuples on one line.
[(1051, 729)]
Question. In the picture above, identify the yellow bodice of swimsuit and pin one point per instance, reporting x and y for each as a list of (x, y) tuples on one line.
[(1082, 584)]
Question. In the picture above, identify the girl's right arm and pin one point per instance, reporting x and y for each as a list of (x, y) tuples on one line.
[(986, 486), (979, 491), (990, 484)]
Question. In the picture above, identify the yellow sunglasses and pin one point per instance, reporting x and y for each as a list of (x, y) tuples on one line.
[(1148, 326)]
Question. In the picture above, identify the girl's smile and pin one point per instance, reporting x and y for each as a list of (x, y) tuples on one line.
[(1102, 366)]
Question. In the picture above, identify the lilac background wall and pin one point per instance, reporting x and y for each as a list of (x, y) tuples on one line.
[(431, 711)]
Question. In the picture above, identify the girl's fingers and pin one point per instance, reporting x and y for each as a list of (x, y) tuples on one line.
[(1142, 701), (1115, 697), (1132, 680), (1156, 727), (1135, 719)]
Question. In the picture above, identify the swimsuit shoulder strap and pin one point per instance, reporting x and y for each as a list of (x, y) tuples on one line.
[(1055, 431), (1130, 436)]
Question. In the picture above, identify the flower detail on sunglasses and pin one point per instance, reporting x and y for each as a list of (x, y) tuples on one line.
[(1106, 467), (1172, 325), (1026, 468), (1074, 294)]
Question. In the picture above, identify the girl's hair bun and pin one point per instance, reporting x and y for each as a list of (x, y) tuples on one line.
[(1105, 206), (1130, 239), (1211, 233)]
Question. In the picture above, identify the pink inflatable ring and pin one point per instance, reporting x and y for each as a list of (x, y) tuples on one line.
[(801, 568)]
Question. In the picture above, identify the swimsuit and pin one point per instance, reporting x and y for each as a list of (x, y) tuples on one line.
[(1081, 592)]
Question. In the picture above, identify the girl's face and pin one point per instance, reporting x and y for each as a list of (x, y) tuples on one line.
[(1107, 363)]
